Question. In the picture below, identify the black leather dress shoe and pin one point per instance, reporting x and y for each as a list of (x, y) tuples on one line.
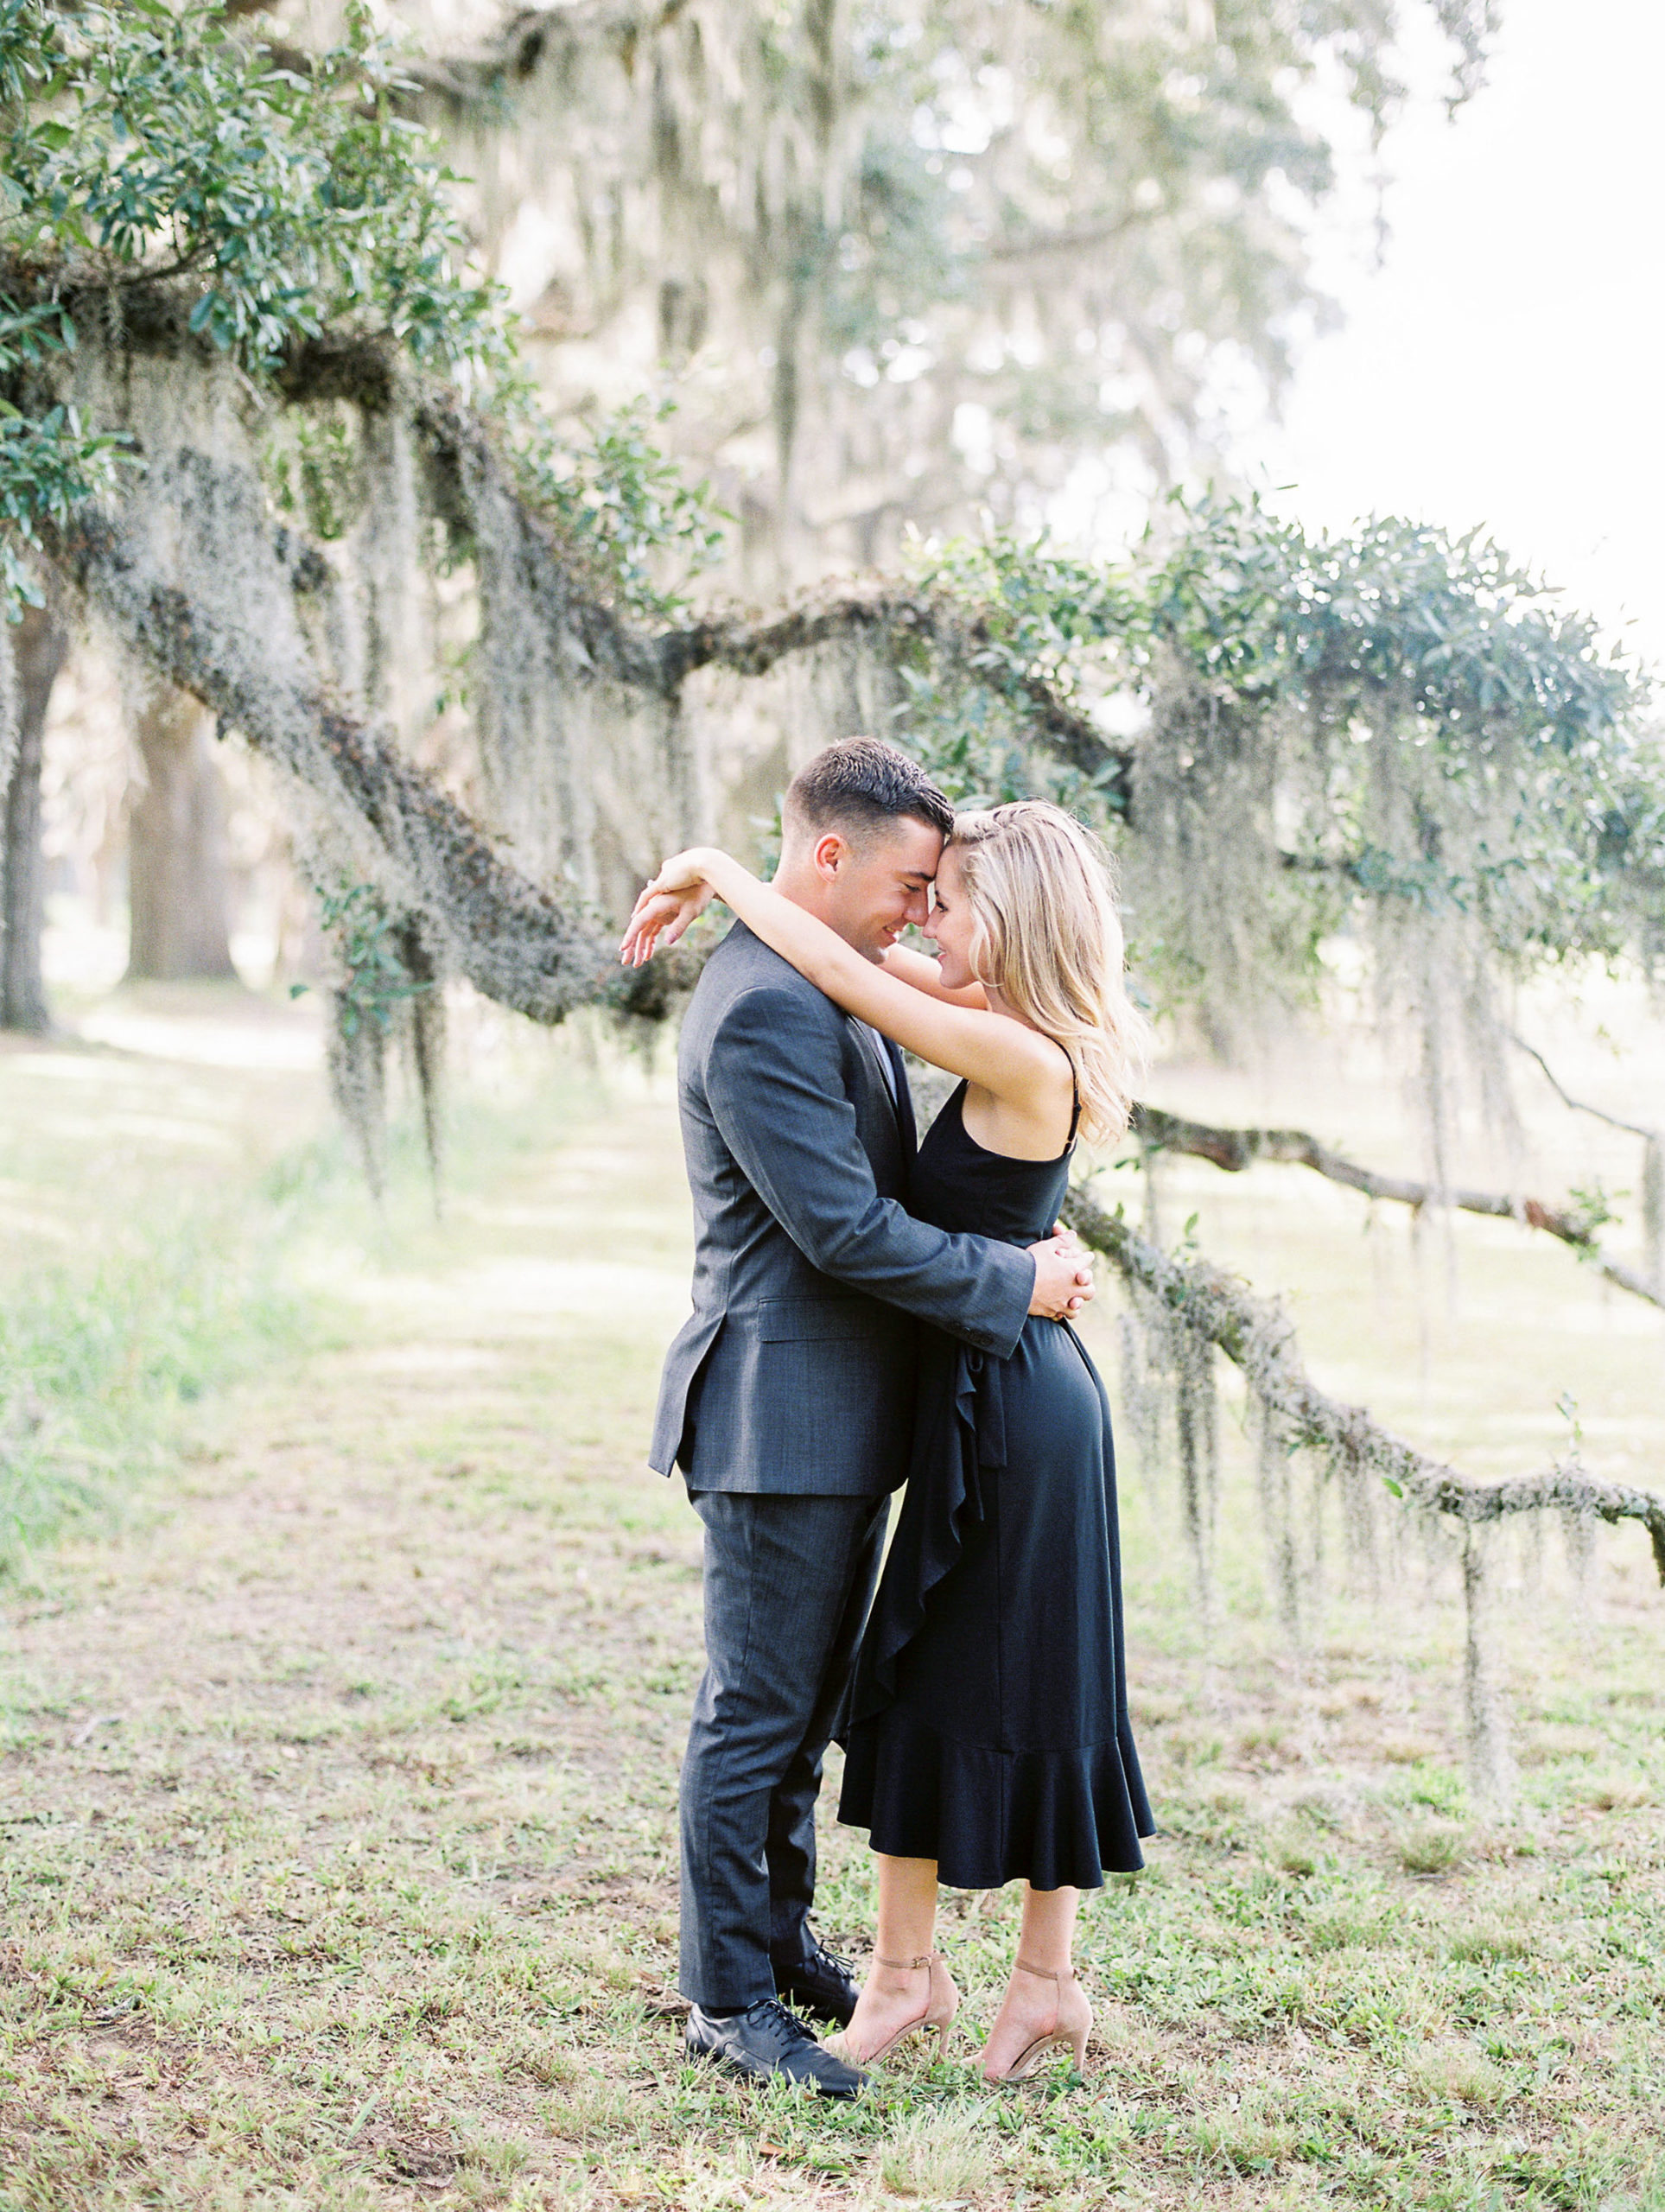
[(766, 2040), (818, 1982)]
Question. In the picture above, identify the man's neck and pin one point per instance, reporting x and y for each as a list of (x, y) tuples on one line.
[(801, 886), (805, 889)]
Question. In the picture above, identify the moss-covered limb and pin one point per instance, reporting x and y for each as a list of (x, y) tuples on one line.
[(894, 617), (1258, 1341), (468, 469), (509, 938), (477, 493), (1234, 1150), (482, 495)]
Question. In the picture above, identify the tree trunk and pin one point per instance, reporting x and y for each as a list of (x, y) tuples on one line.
[(178, 885), (39, 643)]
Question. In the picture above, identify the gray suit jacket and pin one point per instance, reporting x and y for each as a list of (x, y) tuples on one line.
[(795, 1372)]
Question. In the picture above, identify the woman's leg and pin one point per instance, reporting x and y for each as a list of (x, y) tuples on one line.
[(894, 1996), (907, 1906), (1049, 1928), (1035, 2005)]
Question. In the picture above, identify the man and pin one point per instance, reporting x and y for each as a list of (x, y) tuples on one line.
[(787, 1396)]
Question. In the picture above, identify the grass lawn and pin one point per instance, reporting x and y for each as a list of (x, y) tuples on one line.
[(337, 1774)]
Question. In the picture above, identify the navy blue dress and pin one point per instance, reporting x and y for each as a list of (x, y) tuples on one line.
[(987, 1725)]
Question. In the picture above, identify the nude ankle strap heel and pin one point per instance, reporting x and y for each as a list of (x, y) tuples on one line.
[(1072, 2032), (941, 2003)]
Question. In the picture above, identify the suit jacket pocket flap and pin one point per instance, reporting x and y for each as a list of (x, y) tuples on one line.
[(798, 1320)]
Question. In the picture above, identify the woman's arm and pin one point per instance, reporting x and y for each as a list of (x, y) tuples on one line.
[(922, 973), (1002, 1055), (662, 917)]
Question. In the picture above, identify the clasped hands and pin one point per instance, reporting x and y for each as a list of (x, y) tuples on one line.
[(1063, 1275)]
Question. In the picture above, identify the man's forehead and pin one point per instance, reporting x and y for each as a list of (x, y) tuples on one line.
[(911, 847)]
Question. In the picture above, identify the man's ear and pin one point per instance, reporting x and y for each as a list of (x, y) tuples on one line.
[(831, 853)]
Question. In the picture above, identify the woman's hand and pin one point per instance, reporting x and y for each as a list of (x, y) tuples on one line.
[(678, 894), (685, 871), (1063, 1275)]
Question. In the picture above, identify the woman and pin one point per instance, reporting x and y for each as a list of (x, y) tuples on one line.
[(989, 1739)]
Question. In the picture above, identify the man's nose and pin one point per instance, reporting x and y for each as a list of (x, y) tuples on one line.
[(918, 908)]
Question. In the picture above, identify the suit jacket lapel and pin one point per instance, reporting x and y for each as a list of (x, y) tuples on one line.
[(904, 1097), (886, 1057)]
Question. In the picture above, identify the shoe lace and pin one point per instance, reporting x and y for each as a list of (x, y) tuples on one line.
[(784, 2020), (821, 1956)]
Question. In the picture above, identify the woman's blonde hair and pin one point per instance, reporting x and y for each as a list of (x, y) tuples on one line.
[(1047, 937)]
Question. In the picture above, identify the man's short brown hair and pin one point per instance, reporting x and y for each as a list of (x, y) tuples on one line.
[(859, 785)]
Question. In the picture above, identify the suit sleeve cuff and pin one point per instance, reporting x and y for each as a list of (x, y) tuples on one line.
[(999, 1337)]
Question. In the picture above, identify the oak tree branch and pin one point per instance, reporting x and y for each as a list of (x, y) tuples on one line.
[(1258, 1341), (1234, 1150)]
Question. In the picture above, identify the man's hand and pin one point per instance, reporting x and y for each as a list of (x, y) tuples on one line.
[(1063, 1275)]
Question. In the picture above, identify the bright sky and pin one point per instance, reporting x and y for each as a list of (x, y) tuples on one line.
[(1506, 366)]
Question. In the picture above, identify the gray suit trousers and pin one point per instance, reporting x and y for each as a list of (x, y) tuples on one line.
[(788, 1582)]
